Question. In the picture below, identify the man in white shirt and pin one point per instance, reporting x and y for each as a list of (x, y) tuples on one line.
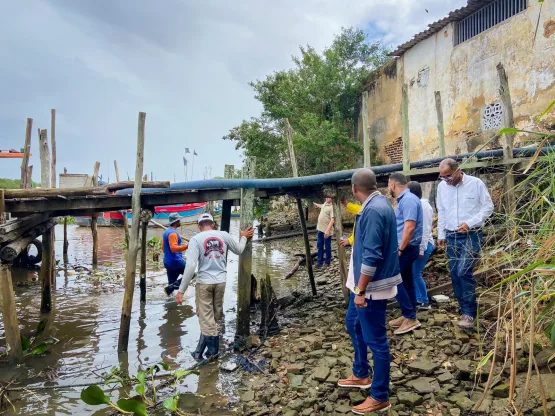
[(463, 205), (324, 227), (208, 250)]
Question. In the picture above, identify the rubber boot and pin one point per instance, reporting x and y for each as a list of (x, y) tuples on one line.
[(213, 346), (197, 354)]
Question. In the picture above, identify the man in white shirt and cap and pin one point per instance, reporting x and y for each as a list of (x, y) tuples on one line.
[(463, 205), (208, 251)]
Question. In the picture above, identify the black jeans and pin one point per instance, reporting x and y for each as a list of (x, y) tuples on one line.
[(406, 291), (173, 274)]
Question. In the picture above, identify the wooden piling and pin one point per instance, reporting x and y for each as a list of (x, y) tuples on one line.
[(46, 268), (440, 128), (245, 259), (289, 134), (9, 314), (26, 152), (94, 219), (508, 139), (227, 203), (146, 216), (123, 213), (341, 254), (406, 130), (366, 131), (131, 265), (53, 144), (66, 243)]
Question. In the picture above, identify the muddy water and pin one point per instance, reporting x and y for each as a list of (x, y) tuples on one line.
[(85, 320)]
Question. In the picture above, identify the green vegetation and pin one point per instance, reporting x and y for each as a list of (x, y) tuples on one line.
[(6, 183), (321, 98)]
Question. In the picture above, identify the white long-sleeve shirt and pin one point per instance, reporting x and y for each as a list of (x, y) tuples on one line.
[(428, 218), (468, 202), (208, 251)]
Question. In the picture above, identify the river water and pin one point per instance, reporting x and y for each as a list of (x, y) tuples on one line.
[(85, 319)]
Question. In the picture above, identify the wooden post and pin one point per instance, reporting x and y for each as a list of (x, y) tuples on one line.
[(53, 144), (131, 265), (245, 260), (227, 203), (508, 139), (440, 128), (29, 182), (66, 242), (146, 216), (123, 213), (341, 254), (307, 247), (94, 219), (406, 131), (27, 151), (9, 314), (365, 130), (46, 268), (289, 133)]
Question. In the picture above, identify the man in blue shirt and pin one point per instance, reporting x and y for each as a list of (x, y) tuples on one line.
[(373, 279), (409, 219)]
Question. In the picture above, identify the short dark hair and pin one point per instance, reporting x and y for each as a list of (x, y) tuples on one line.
[(415, 188), (365, 180), (205, 223), (399, 178)]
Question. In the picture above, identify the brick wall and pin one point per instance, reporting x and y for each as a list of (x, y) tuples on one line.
[(394, 151)]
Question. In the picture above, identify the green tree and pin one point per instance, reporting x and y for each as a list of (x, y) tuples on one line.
[(319, 96)]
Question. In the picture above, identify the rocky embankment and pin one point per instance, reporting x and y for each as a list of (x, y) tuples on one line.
[(433, 369)]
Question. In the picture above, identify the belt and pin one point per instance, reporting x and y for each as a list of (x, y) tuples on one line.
[(472, 230)]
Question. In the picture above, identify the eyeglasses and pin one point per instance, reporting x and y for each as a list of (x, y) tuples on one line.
[(446, 178)]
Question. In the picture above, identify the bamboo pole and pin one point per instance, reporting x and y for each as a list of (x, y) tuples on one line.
[(131, 265), (245, 260), (27, 151), (94, 219), (365, 130), (9, 314), (341, 254), (47, 246), (289, 133), (124, 212)]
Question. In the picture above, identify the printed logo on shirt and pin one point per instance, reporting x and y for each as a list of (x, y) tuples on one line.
[(213, 244)]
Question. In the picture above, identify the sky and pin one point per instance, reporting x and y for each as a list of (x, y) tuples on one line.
[(186, 63)]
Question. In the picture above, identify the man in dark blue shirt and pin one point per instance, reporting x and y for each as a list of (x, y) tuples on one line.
[(409, 219)]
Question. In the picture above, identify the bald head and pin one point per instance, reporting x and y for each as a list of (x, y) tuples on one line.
[(449, 163), (364, 183), (450, 172)]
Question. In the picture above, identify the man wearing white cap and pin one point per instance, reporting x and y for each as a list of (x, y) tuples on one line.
[(208, 251)]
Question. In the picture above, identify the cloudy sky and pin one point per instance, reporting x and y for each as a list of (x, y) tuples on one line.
[(186, 63)]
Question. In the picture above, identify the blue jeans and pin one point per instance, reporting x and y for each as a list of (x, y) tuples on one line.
[(360, 365), (463, 252), (374, 333), (324, 244), (417, 268), (406, 293)]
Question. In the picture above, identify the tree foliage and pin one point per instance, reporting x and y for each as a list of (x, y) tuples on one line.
[(319, 96)]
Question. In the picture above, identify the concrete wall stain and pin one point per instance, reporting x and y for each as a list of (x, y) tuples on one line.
[(548, 28)]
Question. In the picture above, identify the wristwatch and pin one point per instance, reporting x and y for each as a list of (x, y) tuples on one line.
[(359, 292)]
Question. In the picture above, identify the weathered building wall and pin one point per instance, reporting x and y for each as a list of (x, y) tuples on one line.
[(466, 77)]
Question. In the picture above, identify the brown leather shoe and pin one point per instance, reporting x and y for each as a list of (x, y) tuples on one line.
[(355, 383), (408, 326), (370, 405), (396, 323)]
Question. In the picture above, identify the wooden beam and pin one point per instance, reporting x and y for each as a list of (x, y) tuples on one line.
[(341, 254), (366, 131), (440, 128), (10, 251), (17, 227), (9, 315), (124, 212), (405, 125), (131, 265), (508, 139), (27, 151), (245, 259)]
